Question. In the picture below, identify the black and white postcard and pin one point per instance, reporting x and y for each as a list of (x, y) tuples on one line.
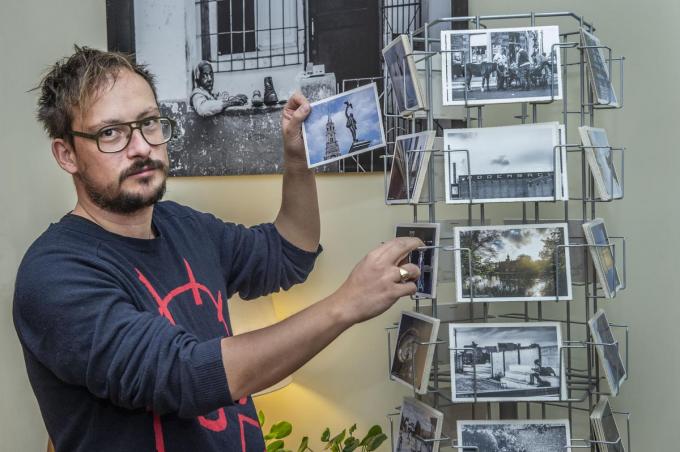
[(502, 362), (503, 65), (528, 262), (343, 125), (409, 167), (401, 68), (515, 436), (598, 69), (505, 164), (606, 431), (602, 256), (601, 162), (419, 426), (426, 259), (608, 350), (412, 358)]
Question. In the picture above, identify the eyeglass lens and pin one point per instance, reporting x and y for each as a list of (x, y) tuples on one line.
[(154, 130)]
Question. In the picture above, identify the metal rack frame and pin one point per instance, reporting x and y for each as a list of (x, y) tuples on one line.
[(586, 380)]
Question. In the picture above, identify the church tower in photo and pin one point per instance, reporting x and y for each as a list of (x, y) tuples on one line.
[(332, 147)]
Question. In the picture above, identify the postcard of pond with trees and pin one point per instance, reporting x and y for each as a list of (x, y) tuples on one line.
[(512, 263)]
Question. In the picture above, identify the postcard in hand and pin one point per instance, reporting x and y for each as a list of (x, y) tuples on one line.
[(343, 125), (426, 259)]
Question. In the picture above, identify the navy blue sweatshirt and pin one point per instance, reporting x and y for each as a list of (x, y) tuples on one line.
[(121, 336)]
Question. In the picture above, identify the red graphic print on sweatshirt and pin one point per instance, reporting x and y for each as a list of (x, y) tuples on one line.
[(218, 424)]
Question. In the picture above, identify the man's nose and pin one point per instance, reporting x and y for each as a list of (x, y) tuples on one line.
[(138, 145)]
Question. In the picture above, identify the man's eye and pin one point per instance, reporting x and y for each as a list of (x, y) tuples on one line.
[(150, 123), (111, 133)]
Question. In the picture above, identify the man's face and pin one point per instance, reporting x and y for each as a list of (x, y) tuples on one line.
[(133, 178), (205, 80)]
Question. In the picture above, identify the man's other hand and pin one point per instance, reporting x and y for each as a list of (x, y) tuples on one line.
[(294, 113)]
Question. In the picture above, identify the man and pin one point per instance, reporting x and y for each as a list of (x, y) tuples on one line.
[(501, 60), (523, 66), (120, 307), (202, 99), (539, 371)]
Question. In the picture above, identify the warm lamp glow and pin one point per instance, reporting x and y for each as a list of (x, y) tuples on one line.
[(253, 315)]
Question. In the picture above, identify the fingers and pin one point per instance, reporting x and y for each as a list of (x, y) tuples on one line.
[(412, 270), (396, 250), (297, 109)]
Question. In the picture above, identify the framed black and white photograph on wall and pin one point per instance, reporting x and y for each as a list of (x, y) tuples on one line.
[(502, 65), (419, 426), (505, 164), (526, 435), (528, 262), (602, 256), (224, 70), (409, 167), (343, 125), (598, 69), (412, 359), (426, 259), (401, 69), (496, 362), (609, 351), (600, 158)]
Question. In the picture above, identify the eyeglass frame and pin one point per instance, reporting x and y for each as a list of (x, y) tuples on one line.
[(95, 136)]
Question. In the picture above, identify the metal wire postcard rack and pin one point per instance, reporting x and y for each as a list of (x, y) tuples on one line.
[(578, 357)]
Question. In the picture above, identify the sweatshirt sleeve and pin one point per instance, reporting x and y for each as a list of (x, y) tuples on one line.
[(258, 260), (79, 323)]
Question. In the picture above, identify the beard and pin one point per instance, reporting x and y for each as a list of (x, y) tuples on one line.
[(116, 200)]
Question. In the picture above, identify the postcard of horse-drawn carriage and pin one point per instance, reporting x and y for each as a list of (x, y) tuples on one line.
[(503, 65)]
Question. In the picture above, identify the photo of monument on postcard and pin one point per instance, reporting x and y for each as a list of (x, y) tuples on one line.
[(343, 125), (494, 362)]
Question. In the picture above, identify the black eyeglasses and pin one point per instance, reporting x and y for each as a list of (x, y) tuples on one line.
[(155, 130)]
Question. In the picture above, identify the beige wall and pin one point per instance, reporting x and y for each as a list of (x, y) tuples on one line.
[(347, 382)]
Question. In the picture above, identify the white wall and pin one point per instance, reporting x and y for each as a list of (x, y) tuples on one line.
[(347, 382)]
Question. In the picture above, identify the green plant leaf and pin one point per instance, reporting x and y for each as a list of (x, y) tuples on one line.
[(352, 429), (260, 418), (281, 429), (303, 444), (326, 435), (375, 430), (375, 441), (275, 446), (350, 444)]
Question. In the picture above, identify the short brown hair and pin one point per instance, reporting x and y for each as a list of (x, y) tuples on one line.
[(74, 82)]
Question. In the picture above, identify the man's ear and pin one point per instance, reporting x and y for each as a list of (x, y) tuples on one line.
[(65, 155)]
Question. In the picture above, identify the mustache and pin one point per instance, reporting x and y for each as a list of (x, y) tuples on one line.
[(142, 165)]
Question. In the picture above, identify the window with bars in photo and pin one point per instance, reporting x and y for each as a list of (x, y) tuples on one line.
[(239, 35)]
